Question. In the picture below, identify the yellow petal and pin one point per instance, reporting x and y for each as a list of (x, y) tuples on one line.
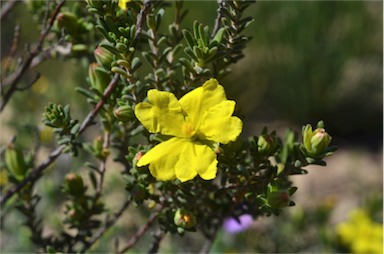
[(219, 125), (123, 4), (163, 158), (162, 114), (196, 158), (199, 100)]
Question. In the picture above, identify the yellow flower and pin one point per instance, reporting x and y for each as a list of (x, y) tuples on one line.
[(361, 234), (123, 4), (196, 122)]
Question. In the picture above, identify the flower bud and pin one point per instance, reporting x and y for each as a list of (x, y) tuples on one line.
[(124, 113), (72, 213), (68, 21), (279, 199), (14, 159), (74, 183), (98, 78), (103, 57), (137, 157), (267, 144), (184, 218), (315, 142)]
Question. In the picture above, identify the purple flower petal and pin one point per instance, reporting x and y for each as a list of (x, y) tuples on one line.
[(232, 226)]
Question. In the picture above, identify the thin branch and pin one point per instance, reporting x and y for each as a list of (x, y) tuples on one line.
[(107, 225), (34, 80), (107, 92), (15, 78), (87, 121), (210, 238), (158, 236), (207, 245), (102, 167), (141, 17), (12, 52), (218, 18), (136, 237), (7, 7), (35, 174)]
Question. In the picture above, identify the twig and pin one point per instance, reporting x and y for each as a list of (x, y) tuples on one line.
[(107, 225), (210, 239), (55, 154), (12, 52), (102, 167), (91, 116), (34, 80), (7, 7), (218, 18), (33, 176), (141, 17), (15, 78), (158, 236), (87, 121), (132, 241)]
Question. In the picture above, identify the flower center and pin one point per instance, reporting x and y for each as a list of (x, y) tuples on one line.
[(188, 130)]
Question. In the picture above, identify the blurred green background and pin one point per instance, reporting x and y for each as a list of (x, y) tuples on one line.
[(307, 61)]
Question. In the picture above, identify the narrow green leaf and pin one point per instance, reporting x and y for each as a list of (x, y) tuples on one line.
[(218, 37), (189, 38), (189, 52), (120, 71)]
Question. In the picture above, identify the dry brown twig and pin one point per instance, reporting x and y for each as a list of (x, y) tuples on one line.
[(15, 77)]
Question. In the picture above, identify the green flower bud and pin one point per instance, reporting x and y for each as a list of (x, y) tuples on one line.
[(279, 199), (103, 57), (267, 144), (14, 159), (124, 113), (98, 77), (74, 184), (68, 21), (184, 218), (137, 157), (315, 142)]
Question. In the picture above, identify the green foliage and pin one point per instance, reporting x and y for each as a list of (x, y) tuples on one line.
[(129, 51), (59, 118)]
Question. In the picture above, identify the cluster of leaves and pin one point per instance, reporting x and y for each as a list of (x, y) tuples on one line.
[(132, 53), (66, 128)]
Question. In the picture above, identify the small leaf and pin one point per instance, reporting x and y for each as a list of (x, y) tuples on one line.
[(187, 64), (218, 37), (203, 35), (136, 63), (75, 129), (123, 62), (104, 32), (189, 52), (149, 58), (196, 25), (93, 179), (189, 38), (120, 71)]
